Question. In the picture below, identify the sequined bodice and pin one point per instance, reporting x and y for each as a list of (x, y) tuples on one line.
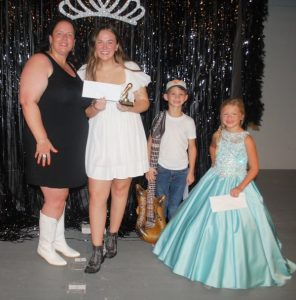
[(232, 156)]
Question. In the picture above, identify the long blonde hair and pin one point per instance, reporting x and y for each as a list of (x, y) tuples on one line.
[(92, 61), (230, 101), (236, 102)]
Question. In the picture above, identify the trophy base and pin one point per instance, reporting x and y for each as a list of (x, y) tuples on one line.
[(126, 103)]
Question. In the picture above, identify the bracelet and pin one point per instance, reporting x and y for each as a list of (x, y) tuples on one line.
[(94, 106)]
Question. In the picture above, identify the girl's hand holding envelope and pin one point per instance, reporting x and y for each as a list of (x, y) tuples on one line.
[(99, 104)]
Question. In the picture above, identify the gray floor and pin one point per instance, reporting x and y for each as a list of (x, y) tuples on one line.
[(135, 273)]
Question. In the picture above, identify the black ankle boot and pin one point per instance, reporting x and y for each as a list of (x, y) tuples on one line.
[(95, 261), (111, 244)]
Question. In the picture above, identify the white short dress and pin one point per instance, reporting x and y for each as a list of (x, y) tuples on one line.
[(116, 144)]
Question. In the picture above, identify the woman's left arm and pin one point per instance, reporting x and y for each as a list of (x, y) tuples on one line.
[(141, 102), (253, 163)]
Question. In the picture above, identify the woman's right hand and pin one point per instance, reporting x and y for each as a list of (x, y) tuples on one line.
[(43, 149)]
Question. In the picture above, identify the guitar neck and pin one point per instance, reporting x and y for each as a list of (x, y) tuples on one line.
[(156, 138), (149, 204), (154, 152)]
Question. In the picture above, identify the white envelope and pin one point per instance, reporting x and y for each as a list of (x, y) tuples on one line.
[(227, 202), (96, 90)]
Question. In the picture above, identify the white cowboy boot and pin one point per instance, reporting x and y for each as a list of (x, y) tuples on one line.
[(60, 243), (47, 233)]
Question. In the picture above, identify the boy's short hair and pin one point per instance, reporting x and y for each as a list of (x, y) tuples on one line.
[(176, 82)]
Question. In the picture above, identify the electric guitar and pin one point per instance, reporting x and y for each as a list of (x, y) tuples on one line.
[(151, 219)]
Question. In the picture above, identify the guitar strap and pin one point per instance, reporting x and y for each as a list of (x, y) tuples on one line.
[(157, 131)]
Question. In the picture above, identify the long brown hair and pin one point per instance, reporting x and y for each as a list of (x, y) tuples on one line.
[(119, 56)]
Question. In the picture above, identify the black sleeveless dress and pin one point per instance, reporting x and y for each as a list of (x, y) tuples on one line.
[(62, 112)]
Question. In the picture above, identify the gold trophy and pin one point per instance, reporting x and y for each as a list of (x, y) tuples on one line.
[(124, 96)]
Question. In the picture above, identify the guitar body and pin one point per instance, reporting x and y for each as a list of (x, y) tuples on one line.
[(149, 233)]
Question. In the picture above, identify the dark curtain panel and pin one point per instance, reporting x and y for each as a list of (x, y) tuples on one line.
[(216, 47)]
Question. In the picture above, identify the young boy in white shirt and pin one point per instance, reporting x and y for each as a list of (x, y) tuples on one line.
[(177, 150)]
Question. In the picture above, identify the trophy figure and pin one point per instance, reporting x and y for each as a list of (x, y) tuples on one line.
[(124, 96)]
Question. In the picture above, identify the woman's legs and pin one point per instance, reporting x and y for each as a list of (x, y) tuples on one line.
[(52, 210), (54, 201)]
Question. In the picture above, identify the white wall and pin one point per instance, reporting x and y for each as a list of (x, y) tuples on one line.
[(276, 138)]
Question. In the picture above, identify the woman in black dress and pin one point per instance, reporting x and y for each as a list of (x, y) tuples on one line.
[(55, 135)]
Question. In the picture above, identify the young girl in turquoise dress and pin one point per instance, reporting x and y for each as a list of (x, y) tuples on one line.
[(235, 249)]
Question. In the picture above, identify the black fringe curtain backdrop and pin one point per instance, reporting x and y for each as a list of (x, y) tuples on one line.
[(216, 47)]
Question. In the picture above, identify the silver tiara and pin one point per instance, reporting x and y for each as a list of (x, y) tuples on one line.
[(130, 11)]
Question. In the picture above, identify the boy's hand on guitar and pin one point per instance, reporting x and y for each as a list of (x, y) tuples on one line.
[(151, 175)]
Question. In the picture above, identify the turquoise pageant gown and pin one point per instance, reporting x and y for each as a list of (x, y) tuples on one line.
[(235, 249)]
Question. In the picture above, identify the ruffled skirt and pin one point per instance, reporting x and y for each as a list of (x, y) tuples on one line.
[(116, 146)]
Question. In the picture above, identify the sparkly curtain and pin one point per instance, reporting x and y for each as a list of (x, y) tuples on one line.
[(217, 47)]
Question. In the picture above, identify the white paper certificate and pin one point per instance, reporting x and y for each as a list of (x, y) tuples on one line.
[(227, 202), (96, 90)]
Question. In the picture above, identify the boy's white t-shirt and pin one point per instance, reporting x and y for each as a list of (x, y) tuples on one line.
[(174, 142)]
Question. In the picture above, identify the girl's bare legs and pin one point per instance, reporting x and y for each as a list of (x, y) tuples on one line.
[(119, 194), (99, 191)]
